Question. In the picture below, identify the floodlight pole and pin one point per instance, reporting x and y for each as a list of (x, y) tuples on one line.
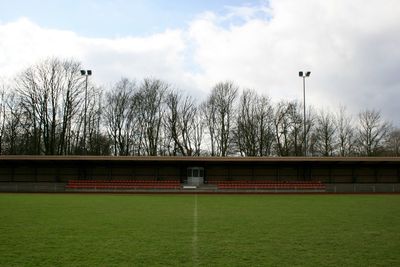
[(304, 75), (85, 73)]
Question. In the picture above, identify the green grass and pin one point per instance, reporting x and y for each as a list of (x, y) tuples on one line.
[(159, 230)]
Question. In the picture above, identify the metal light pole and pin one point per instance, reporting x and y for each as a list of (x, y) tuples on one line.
[(304, 75), (85, 73)]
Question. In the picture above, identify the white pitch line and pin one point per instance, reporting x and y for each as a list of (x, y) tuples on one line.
[(195, 255)]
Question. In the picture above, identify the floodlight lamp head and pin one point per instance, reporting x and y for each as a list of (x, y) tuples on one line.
[(89, 72), (300, 74), (83, 72), (308, 73)]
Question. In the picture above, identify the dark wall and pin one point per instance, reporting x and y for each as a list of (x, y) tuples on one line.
[(332, 172)]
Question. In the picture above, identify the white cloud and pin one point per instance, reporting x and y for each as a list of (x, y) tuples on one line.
[(22, 43), (351, 47), (159, 55)]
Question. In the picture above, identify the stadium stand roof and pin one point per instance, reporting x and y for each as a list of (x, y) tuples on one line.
[(200, 159)]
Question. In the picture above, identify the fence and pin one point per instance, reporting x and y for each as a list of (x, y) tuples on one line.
[(363, 188), (32, 187)]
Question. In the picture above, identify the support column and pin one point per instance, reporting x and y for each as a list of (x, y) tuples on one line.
[(277, 176), (35, 173), (13, 173), (109, 167)]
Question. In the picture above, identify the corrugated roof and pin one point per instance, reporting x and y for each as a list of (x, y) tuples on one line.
[(196, 159)]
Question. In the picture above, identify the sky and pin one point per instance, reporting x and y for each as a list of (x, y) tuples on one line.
[(352, 48)]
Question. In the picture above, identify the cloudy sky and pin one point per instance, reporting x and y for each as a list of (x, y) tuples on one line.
[(352, 47)]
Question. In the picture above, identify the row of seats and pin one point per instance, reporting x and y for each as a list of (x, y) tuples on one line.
[(175, 184), (276, 185), (94, 186), (271, 186), (262, 182), (124, 181), (123, 184)]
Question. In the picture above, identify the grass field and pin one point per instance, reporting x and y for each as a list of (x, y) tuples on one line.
[(203, 230)]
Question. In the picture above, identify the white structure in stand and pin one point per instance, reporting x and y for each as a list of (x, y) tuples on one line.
[(195, 176)]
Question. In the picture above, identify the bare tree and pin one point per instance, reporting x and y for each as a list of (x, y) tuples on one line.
[(219, 111), (254, 135), (182, 125), (29, 97), (13, 126), (3, 118), (208, 110), (325, 134), (43, 114), (150, 108), (119, 116), (281, 129), (345, 133), (197, 133), (172, 124), (288, 128), (98, 142), (70, 105), (50, 96), (372, 132), (393, 143)]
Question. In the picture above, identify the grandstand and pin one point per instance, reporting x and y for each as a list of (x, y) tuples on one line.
[(198, 174)]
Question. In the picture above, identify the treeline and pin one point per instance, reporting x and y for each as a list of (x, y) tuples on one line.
[(49, 110)]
